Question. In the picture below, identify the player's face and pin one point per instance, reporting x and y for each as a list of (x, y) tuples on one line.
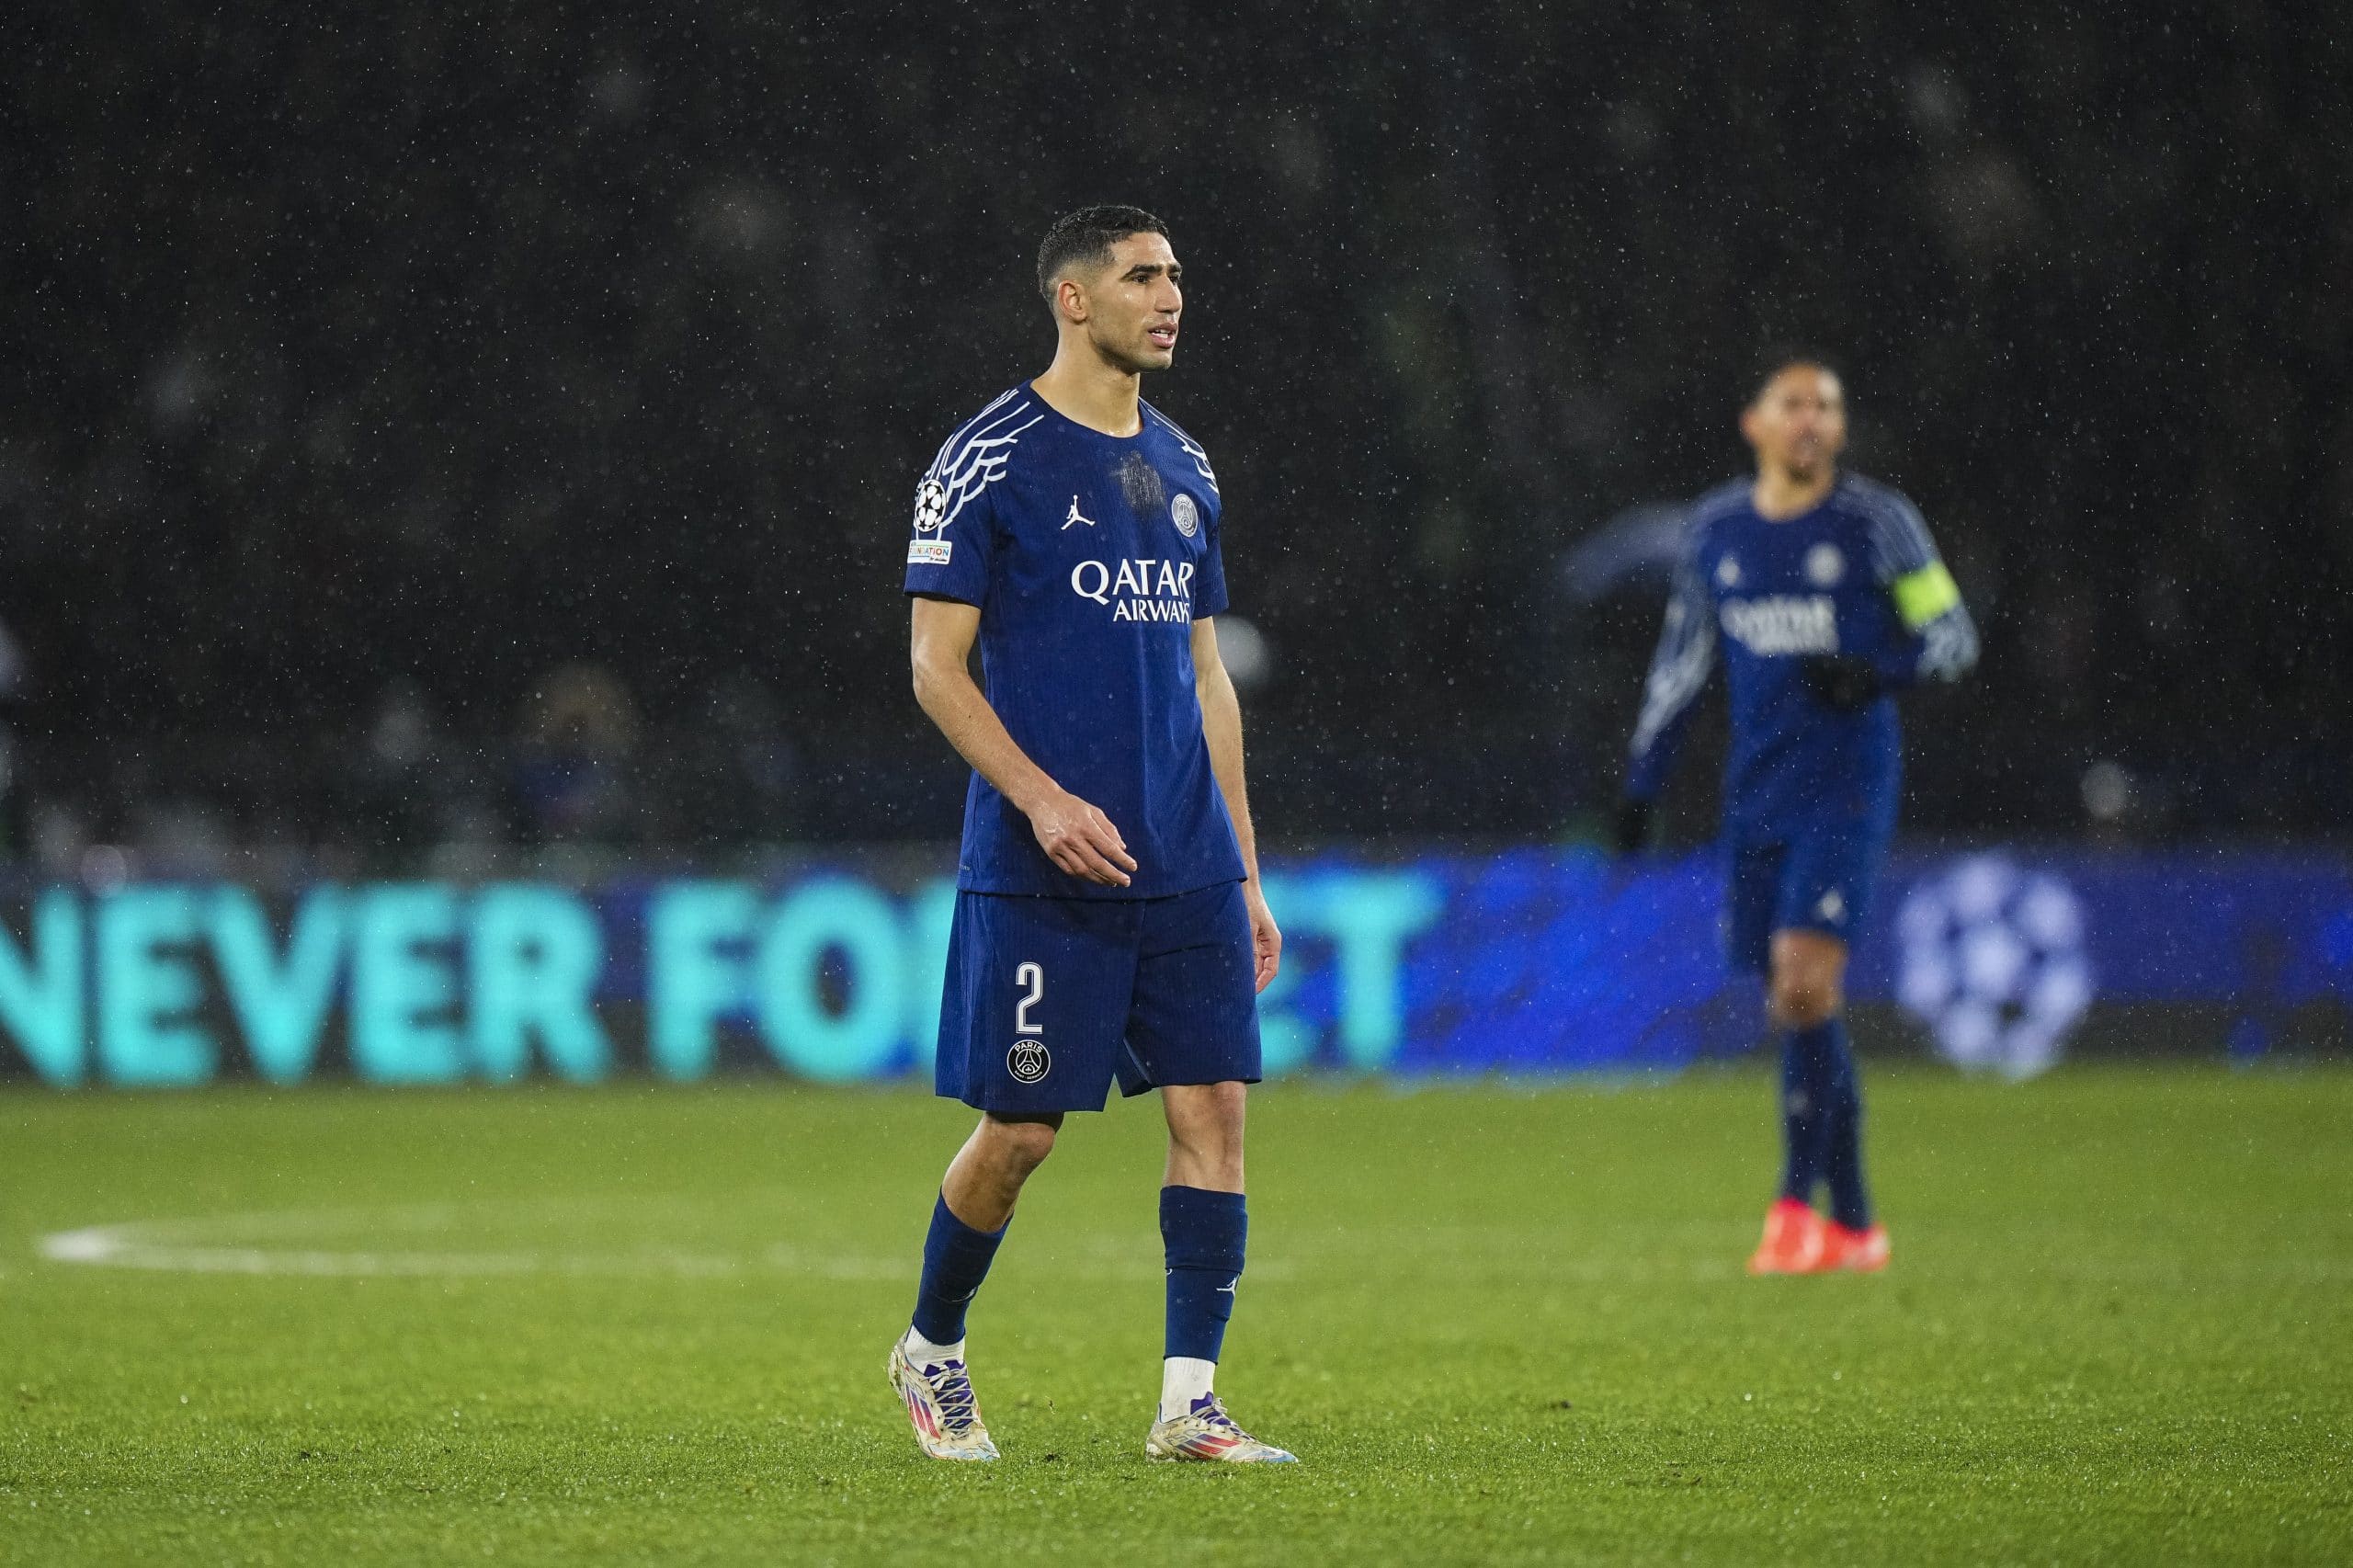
[(1134, 303), (1797, 424)]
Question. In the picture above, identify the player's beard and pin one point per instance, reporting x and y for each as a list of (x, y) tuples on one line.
[(1807, 466)]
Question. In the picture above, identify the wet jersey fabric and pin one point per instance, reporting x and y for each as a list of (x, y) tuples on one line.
[(1089, 557), (1857, 576)]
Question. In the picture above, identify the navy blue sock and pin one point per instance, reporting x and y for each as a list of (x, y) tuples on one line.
[(955, 1260), (1842, 1136), (1807, 1069), (1206, 1234)]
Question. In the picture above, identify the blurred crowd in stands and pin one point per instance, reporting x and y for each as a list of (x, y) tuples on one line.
[(431, 428)]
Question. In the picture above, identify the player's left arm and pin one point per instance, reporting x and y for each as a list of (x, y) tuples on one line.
[(1221, 727), (1940, 639)]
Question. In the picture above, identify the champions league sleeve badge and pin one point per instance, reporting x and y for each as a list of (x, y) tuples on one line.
[(931, 515), (1187, 515), (931, 506)]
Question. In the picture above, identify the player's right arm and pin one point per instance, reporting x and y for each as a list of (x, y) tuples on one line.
[(1076, 837), (1679, 673)]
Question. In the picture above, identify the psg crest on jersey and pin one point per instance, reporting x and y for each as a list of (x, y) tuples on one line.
[(931, 507), (1187, 517), (1029, 1061)]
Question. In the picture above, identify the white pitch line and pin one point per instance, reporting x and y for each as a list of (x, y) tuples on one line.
[(138, 1246), (109, 1246)]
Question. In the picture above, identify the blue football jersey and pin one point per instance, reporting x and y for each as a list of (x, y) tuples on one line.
[(1089, 557), (1859, 575)]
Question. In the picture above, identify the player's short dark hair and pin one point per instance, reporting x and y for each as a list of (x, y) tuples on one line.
[(1087, 235), (1782, 357)]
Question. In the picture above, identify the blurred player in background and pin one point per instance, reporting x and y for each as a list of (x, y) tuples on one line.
[(1830, 597), (1109, 917)]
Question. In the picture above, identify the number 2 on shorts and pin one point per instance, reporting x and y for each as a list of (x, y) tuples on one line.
[(1032, 975)]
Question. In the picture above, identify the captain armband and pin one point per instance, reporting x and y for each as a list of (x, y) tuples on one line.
[(1922, 595)]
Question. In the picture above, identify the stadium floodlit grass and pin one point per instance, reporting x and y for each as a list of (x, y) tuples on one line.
[(648, 1324)]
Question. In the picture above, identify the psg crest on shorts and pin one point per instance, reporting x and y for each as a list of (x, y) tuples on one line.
[(931, 507), (1029, 1061), (1187, 517)]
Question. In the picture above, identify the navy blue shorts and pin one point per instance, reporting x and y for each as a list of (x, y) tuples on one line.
[(1817, 878), (1047, 999)]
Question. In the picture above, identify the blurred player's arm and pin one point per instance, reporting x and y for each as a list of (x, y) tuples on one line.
[(1937, 641), (1221, 727), (1940, 640), (1928, 602), (1076, 837), (1678, 674)]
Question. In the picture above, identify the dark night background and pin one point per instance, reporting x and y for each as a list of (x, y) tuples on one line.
[(420, 429)]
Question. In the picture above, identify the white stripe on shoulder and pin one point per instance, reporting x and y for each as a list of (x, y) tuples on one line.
[(940, 459), (1722, 501), (1193, 449), (1899, 534), (974, 458)]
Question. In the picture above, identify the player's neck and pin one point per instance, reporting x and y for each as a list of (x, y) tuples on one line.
[(1086, 389), (1777, 493)]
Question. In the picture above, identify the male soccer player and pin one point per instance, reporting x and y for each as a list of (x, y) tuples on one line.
[(1109, 916), (1830, 597)]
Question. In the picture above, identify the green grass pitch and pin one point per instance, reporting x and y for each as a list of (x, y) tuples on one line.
[(641, 1324)]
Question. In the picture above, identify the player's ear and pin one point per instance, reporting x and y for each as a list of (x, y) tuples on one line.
[(1749, 417), (1069, 299)]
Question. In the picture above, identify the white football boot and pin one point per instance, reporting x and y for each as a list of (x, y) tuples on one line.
[(940, 1405), (1207, 1433)]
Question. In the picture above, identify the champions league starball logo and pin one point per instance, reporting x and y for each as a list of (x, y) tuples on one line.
[(931, 506), (1993, 963)]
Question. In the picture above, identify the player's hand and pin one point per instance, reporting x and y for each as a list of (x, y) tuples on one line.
[(1081, 840), (1630, 830), (1844, 683), (1265, 937)]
